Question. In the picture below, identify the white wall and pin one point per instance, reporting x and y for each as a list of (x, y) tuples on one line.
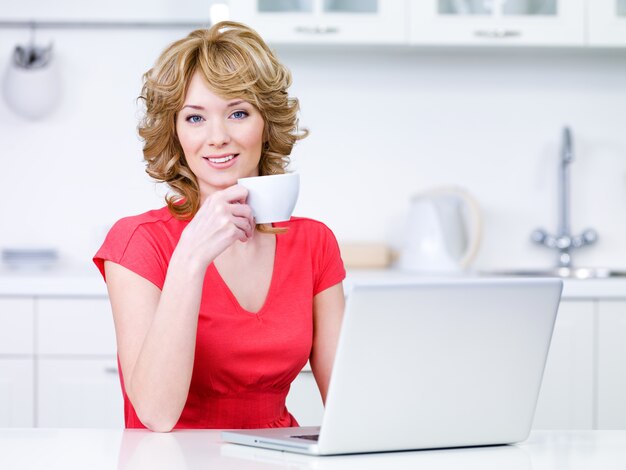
[(385, 123), (391, 123)]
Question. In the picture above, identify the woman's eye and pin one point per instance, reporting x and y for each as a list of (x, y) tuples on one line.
[(239, 114), (194, 119)]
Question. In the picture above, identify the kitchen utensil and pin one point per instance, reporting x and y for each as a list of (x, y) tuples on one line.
[(443, 232), (32, 85)]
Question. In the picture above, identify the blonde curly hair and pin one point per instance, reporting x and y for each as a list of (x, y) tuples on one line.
[(236, 63)]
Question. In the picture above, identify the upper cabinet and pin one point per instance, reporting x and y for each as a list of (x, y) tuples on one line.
[(606, 21), (552, 23), (325, 21), (124, 11), (498, 22)]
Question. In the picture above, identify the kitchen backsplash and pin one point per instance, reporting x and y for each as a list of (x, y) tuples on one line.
[(385, 124)]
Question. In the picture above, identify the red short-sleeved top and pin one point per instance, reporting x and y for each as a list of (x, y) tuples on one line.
[(244, 362)]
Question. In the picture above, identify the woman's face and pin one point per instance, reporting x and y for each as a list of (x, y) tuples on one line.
[(222, 139)]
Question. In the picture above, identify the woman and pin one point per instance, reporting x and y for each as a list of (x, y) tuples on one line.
[(214, 316)]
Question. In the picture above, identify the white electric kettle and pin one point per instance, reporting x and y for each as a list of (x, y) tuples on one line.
[(443, 232)]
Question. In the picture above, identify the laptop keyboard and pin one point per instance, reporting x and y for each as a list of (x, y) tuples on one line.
[(308, 437)]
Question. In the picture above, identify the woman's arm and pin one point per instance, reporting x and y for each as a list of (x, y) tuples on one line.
[(328, 308), (156, 329), (156, 337)]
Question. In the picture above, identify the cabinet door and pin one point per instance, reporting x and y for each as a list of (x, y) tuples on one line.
[(16, 393), (325, 21), (498, 22), (566, 396), (304, 401), (79, 393), (75, 326), (606, 22), (112, 10), (17, 326), (611, 365)]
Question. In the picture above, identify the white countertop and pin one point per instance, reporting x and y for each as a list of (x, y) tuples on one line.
[(611, 288), (88, 282), (52, 282), (94, 449)]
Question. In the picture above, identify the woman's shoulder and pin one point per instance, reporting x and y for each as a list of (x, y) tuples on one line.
[(301, 228), (305, 224), (128, 225), (140, 243), (310, 239)]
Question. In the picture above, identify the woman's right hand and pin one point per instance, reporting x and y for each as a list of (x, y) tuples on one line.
[(223, 219)]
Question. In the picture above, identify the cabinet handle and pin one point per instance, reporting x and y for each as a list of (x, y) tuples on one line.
[(110, 370), (497, 33), (317, 29)]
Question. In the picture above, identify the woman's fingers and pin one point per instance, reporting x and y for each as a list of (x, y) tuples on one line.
[(223, 218), (242, 210), (232, 194)]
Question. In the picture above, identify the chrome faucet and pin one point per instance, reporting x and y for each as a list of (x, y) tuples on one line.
[(564, 241)]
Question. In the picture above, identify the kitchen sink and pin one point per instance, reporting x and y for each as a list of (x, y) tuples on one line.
[(569, 273)]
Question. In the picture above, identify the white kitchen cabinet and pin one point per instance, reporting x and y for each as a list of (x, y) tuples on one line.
[(304, 401), (57, 358), (566, 396), (112, 10), (16, 393), (497, 22), (611, 374), (79, 393), (77, 379), (16, 362), (325, 21), (75, 326), (606, 23), (17, 326)]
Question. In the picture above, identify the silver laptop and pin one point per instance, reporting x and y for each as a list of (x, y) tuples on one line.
[(434, 364)]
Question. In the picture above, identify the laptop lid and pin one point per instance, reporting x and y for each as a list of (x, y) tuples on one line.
[(436, 364)]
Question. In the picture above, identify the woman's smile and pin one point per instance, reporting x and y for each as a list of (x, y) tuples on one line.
[(222, 161)]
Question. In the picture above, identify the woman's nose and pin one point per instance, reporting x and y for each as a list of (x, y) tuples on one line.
[(217, 134)]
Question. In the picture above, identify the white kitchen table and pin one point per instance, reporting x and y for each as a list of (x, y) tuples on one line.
[(94, 449)]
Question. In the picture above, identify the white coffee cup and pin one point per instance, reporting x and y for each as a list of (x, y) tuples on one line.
[(272, 197)]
